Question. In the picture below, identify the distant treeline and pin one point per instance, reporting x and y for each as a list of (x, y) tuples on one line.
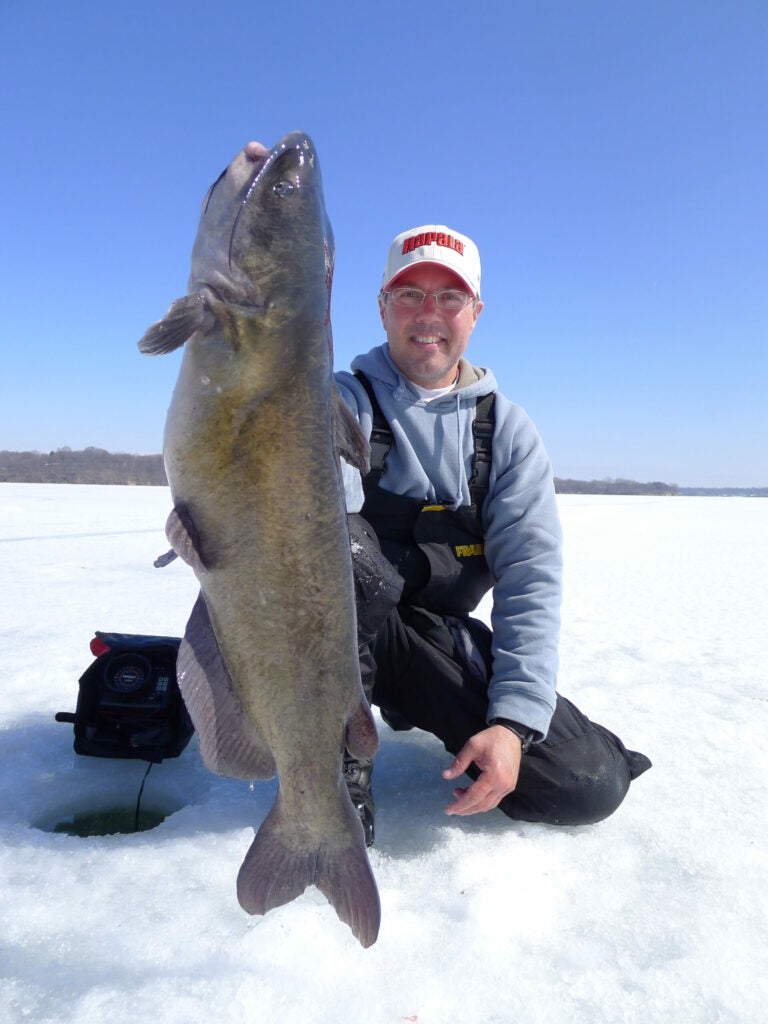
[(97, 466), (91, 466), (725, 492), (612, 487)]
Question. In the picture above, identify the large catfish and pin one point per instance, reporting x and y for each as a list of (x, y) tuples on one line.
[(268, 666)]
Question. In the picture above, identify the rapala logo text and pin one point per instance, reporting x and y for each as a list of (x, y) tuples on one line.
[(430, 238), (467, 550)]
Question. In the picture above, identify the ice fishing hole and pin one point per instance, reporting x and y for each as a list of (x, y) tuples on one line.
[(107, 821)]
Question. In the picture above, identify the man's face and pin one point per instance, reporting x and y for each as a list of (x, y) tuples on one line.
[(427, 343)]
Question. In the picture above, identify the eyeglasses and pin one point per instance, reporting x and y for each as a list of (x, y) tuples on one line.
[(450, 299)]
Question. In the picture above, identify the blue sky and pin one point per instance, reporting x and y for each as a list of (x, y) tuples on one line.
[(609, 158)]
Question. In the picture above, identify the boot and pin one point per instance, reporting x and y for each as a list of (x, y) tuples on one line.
[(357, 775), (395, 720)]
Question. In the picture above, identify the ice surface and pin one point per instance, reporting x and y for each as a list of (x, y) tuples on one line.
[(657, 915)]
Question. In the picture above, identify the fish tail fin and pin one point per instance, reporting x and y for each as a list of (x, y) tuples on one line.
[(348, 884), (276, 870)]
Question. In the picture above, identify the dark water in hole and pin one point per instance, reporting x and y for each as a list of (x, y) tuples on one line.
[(109, 821)]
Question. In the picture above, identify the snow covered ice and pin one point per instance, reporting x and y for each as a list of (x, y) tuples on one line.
[(659, 914)]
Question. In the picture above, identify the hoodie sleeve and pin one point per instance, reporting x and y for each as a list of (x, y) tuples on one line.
[(523, 545)]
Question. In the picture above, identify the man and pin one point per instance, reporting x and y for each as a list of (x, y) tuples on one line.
[(460, 499)]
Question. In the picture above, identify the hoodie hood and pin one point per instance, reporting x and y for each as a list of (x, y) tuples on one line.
[(433, 445), (377, 365)]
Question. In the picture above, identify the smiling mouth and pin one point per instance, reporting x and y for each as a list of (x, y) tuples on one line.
[(426, 339)]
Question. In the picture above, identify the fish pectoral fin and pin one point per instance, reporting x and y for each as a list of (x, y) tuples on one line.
[(362, 738), (348, 439), (277, 869), (230, 743), (184, 538), (185, 316)]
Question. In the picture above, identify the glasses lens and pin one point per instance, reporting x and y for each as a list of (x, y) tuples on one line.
[(410, 297), (450, 299)]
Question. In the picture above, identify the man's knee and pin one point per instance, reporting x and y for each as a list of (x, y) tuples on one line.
[(593, 794), (583, 783)]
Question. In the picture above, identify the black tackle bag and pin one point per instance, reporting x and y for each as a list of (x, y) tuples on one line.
[(129, 704)]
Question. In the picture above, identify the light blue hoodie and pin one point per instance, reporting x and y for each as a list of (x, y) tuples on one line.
[(431, 459)]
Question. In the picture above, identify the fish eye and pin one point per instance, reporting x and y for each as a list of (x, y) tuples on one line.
[(283, 187)]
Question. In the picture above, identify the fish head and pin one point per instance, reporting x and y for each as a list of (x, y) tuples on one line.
[(264, 240)]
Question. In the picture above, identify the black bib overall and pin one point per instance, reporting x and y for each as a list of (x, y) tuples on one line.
[(426, 662), (438, 550)]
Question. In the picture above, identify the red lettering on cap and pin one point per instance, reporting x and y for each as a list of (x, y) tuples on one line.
[(432, 237)]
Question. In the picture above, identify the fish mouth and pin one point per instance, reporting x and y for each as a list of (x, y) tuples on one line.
[(264, 160)]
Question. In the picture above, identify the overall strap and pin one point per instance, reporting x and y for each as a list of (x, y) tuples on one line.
[(381, 442), (482, 431), (381, 439)]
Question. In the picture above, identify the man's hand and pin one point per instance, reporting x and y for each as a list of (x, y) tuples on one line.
[(496, 751)]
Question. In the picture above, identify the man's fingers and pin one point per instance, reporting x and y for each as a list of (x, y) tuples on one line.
[(460, 763), (496, 752), (474, 799), (461, 805)]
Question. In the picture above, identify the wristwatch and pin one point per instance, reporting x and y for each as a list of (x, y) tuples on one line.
[(523, 733)]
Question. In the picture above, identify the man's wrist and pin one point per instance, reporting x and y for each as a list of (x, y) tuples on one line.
[(523, 733)]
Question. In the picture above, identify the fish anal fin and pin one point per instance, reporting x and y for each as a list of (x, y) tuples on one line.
[(277, 870), (229, 742), (184, 318), (362, 739), (184, 538), (348, 438)]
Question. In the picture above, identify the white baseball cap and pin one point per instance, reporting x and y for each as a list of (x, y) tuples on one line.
[(434, 243)]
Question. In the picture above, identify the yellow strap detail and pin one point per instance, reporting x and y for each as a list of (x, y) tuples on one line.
[(468, 550)]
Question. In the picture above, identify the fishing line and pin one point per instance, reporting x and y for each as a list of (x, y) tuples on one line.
[(138, 801)]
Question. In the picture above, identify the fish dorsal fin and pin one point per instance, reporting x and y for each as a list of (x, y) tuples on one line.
[(348, 438), (185, 316)]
